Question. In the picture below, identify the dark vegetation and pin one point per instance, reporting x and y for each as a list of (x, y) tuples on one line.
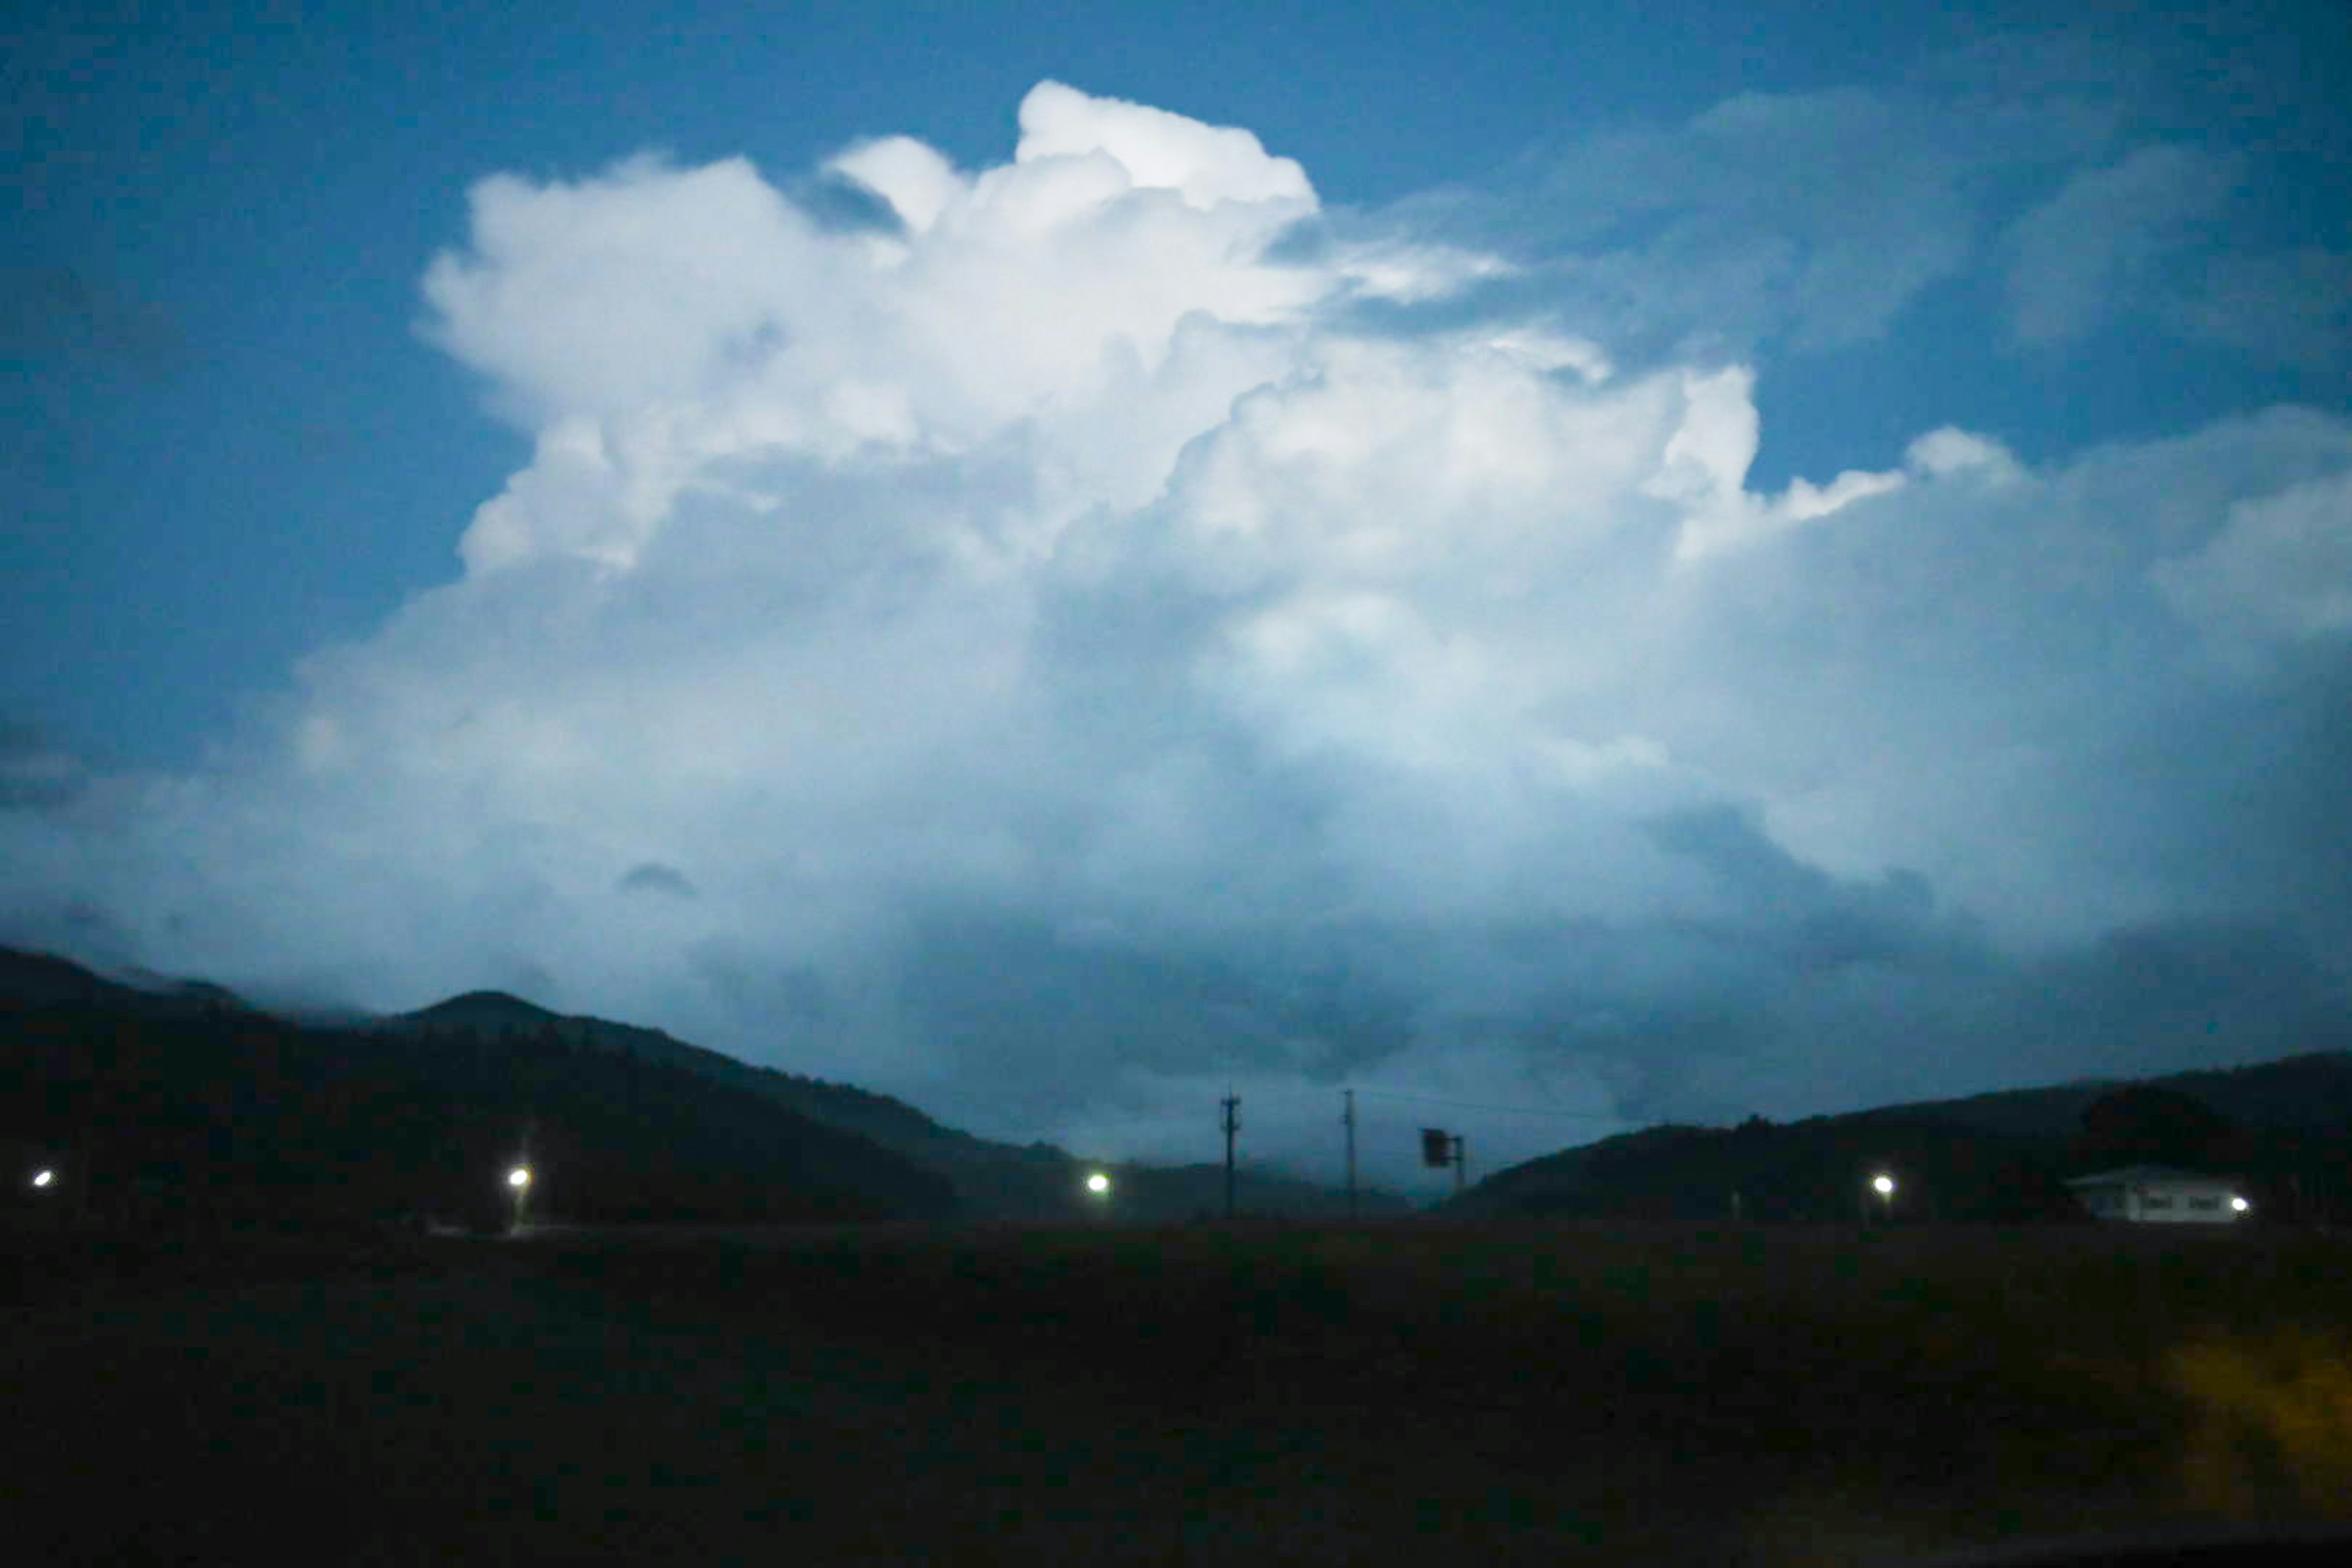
[(1523, 1391), (179, 1105), (992, 1180), (2050, 1373), (2285, 1135), (178, 1111), (1600, 1365)]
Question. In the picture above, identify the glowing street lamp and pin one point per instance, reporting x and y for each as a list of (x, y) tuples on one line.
[(2238, 1205), (45, 1177), (519, 1182), (1098, 1185), (1883, 1185)]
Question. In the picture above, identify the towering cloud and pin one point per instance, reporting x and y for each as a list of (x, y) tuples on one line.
[(1057, 647)]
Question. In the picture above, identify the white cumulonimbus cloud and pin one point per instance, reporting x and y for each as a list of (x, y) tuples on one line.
[(1048, 651)]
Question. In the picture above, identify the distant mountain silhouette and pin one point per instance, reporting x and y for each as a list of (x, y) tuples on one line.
[(173, 987), (1990, 1157), (43, 979), (177, 1107), (491, 1010), (2311, 1090), (991, 1179), (669, 1129), (627, 1101)]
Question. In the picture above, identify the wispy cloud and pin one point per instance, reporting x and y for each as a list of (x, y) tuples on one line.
[(2114, 235)]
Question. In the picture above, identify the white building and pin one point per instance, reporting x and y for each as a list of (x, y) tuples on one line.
[(2161, 1195)]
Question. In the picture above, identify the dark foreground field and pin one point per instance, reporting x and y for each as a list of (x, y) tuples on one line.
[(1406, 1393)]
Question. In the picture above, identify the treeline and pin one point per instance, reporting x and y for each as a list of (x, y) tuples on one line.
[(220, 1115), (1946, 1167), (1809, 1173)]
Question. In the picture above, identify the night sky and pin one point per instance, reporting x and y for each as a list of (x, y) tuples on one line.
[(1586, 564)]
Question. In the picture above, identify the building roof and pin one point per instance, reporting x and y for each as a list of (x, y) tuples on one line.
[(2126, 1175)]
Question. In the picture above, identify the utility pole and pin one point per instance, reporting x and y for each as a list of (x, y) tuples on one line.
[(1232, 1123), (1347, 1119)]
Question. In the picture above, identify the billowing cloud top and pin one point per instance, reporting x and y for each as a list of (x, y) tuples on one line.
[(1060, 651), (1109, 293)]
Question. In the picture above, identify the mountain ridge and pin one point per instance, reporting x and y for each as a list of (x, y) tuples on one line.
[(993, 1179), (2000, 1155), (185, 1113), (990, 1179), (1999, 1151)]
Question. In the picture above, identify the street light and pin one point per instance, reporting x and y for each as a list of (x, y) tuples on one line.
[(1883, 1185), (2238, 1205), (45, 1177), (1097, 1189), (518, 1179)]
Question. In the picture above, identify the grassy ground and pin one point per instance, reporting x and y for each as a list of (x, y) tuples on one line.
[(1334, 1395)]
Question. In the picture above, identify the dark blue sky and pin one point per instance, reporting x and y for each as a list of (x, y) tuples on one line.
[(1159, 553)]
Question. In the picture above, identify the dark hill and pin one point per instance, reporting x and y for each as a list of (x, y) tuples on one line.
[(42, 980), (491, 1010), (182, 1111), (2001, 1156), (2311, 1090), (992, 1180), (492, 1044), (1810, 1171)]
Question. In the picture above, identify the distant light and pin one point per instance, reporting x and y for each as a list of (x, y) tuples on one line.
[(1098, 1185), (519, 1178), (2239, 1205), (1883, 1184), (45, 1177)]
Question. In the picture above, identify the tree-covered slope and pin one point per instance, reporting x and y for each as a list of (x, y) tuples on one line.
[(216, 1110), (2286, 1126)]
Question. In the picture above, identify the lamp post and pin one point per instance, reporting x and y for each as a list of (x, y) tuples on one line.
[(1883, 1185)]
